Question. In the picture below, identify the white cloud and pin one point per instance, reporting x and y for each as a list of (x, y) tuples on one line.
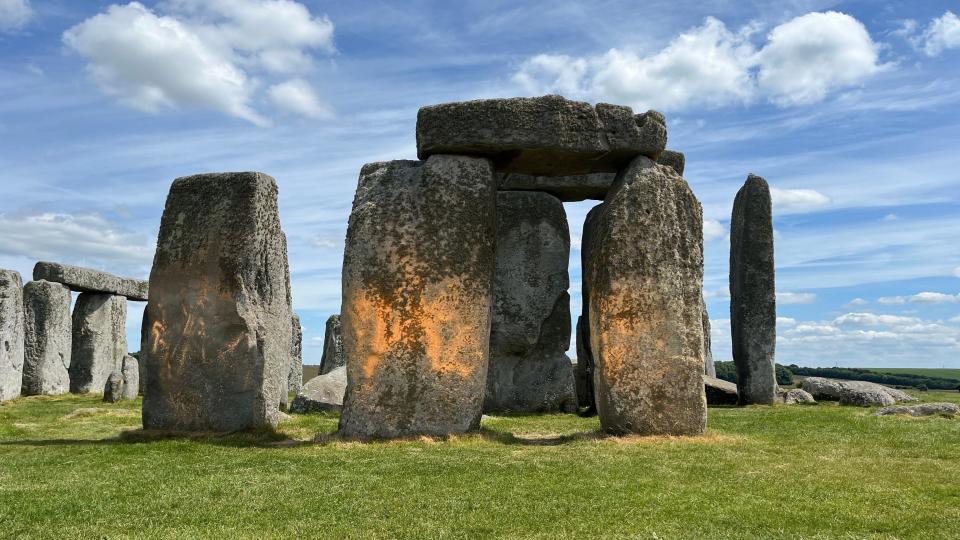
[(297, 96), (199, 54), (941, 34), (14, 14), (790, 298), (797, 200), (856, 302), (890, 217), (872, 319), (711, 66), (786, 321), (713, 229), (811, 55), (922, 298), (718, 293), (87, 240)]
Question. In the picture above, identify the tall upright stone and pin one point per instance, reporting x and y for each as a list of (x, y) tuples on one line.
[(47, 338), (99, 340), (753, 300), (295, 375), (530, 330), (708, 366), (11, 334), (418, 275), (586, 396), (333, 356), (644, 276), (218, 340)]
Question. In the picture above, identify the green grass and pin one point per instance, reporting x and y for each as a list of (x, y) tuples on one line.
[(923, 372), (76, 467)]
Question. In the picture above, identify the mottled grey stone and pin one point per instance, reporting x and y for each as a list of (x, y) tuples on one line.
[(113, 388), (47, 338), (11, 334), (87, 280), (860, 393), (644, 276), (719, 391), (923, 409), (218, 340), (794, 396), (673, 159), (99, 340), (547, 135), (753, 303), (583, 370), (333, 356), (295, 376), (322, 393), (418, 275), (530, 330), (131, 377), (708, 367)]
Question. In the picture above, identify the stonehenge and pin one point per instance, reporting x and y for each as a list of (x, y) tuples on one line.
[(86, 280), (218, 318), (753, 310), (47, 339), (11, 334), (332, 346), (99, 340), (418, 274), (295, 372)]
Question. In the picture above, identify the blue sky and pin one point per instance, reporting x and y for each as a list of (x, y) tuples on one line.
[(851, 110)]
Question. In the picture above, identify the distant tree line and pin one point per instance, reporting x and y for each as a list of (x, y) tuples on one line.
[(785, 376)]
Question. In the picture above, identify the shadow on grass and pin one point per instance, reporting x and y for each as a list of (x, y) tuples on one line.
[(261, 438)]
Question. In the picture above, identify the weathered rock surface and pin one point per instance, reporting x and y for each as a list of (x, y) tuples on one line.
[(333, 356), (130, 371), (418, 276), (793, 396), (47, 338), (753, 305), (708, 367), (87, 280), (11, 334), (719, 391), (922, 409), (99, 340), (113, 388), (673, 159), (323, 393), (860, 393), (644, 277), (295, 375), (218, 341), (547, 135), (583, 370), (530, 330)]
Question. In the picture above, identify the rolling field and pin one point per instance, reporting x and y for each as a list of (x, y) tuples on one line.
[(923, 372)]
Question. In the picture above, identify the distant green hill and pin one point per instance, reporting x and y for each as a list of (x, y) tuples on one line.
[(942, 373)]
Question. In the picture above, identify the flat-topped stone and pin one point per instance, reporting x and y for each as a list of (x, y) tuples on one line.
[(578, 187), (547, 135), (86, 280)]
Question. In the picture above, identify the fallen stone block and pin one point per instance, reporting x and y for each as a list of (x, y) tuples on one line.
[(922, 409), (322, 393), (859, 393), (719, 391)]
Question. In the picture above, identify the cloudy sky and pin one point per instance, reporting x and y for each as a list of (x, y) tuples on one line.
[(851, 110)]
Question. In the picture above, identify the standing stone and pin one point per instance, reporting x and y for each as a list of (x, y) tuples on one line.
[(47, 338), (673, 159), (333, 356), (295, 376), (546, 135), (219, 339), (708, 367), (753, 300), (530, 330), (131, 377), (87, 280), (99, 340), (644, 276), (113, 388), (586, 367), (418, 274), (11, 334)]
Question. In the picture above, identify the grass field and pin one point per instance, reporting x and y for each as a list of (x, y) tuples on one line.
[(75, 467), (925, 372)]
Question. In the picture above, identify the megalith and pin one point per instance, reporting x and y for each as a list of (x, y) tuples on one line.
[(530, 330), (87, 280), (295, 375), (11, 334), (218, 330), (99, 340), (708, 367), (333, 356), (47, 338), (753, 300), (546, 135), (644, 276), (418, 275), (586, 397), (130, 371)]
